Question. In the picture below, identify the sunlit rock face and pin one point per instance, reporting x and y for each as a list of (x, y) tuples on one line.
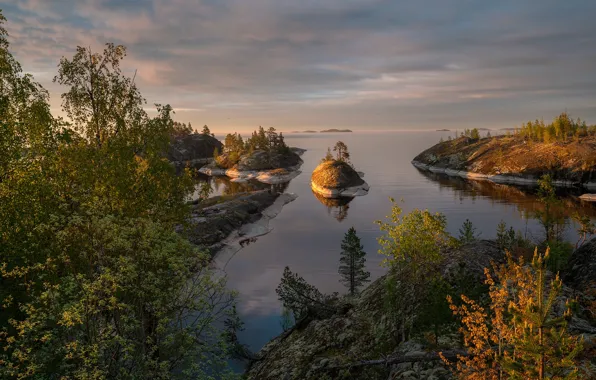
[(335, 179), (266, 167)]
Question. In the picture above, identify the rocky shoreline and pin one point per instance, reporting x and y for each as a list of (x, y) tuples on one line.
[(500, 178), (352, 339), (349, 192), (245, 172), (225, 221)]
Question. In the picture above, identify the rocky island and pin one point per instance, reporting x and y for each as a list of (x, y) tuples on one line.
[(192, 150), (565, 150), (335, 177), (334, 130), (264, 157), (224, 223)]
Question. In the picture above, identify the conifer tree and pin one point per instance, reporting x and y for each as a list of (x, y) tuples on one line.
[(342, 151), (352, 262), (206, 130), (467, 233), (518, 337)]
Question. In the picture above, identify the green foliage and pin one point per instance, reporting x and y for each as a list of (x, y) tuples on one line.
[(467, 233), (352, 263), (206, 131), (586, 228), (181, 129), (328, 156), (95, 282), (303, 299), (474, 134), (342, 151), (563, 128), (434, 312), (551, 219), (505, 238), (419, 235), (413, 244), (235, 146), (560, 251)]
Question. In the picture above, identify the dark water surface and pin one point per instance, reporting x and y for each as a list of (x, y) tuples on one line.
[(307, 234)]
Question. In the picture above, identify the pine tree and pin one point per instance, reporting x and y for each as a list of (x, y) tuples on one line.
[(467, 233), (342, 151), (328, 156), (474, 134), (206, 130), (302, 298), (352, 262), (518, 337)]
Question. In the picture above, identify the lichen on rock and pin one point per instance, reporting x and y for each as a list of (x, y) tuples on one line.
[(337, 178)]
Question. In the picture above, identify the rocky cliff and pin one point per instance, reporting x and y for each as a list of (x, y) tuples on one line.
[(194, 150)]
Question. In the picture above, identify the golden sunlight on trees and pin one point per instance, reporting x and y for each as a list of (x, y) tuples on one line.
[(522, 334), (412, 244), (94, 280)]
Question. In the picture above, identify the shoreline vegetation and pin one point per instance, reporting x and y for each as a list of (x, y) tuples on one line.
[(565, 150), (409, 323), (264, 157), (98, 276), (106, 268)]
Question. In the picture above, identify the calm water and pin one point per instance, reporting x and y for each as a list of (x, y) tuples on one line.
[(307, 234)]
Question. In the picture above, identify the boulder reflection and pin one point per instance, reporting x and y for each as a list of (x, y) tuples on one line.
[(222, 185), (336, 207)]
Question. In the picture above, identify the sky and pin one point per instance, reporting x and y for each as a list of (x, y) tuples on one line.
[(314, 64)]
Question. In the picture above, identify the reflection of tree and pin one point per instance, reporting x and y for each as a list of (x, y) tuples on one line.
[(280, 187), (336, 207), (228, 187), (526, 199)]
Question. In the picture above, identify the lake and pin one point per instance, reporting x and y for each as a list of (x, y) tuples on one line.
[(308, 232)]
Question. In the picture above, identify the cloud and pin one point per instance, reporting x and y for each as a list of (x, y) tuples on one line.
[(364, 63)]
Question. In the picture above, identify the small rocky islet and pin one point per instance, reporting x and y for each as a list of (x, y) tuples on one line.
[(335, 176)]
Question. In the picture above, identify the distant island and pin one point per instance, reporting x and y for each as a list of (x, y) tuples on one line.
[(335, 130), (565, 150), (443, 130)]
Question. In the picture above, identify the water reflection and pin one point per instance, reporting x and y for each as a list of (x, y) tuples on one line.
[(211, 186), (336, 207), (525, 198)]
